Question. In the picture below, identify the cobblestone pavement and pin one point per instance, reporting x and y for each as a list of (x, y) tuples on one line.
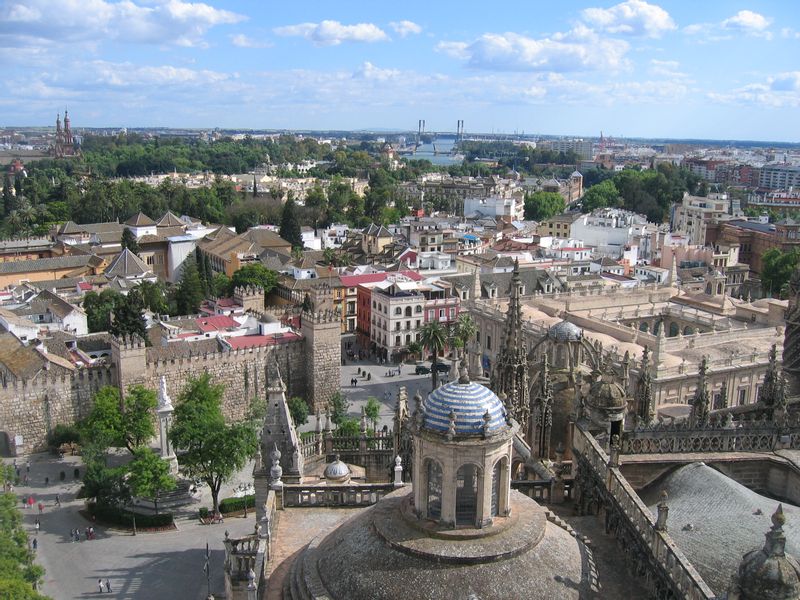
[(296, 528), (149, 566)]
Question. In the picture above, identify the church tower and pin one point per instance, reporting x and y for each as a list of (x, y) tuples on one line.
[(510, 377)]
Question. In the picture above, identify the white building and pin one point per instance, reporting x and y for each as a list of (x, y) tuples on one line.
[(512, 208), (608, 230), (693, 214)]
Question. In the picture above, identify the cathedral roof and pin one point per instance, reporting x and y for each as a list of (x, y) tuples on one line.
[(140, 220), (565, 332), (127, 264), (468, 403)]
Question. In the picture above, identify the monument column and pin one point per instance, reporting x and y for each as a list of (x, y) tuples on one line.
[(165, 410)]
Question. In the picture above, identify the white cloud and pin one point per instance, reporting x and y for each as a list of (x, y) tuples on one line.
[(370, 71), (788, 32), (776, 91), (747, 21), (580, 49), (245, 41), (405, 28), (333, 33), (669, 69), (633, 17), (156, 22)]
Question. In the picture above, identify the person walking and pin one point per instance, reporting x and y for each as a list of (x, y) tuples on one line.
[(35, 544), (58, 501), (28, 466), (100, 585), (36, 526), (108, 586), (71, 536), (41, 508)]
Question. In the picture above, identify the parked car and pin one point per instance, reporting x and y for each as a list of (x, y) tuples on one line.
[(442, 368), (422, 370)]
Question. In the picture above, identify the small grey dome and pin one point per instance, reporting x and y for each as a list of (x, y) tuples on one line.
[(565, 332), (337, 471), (769, 573), (606, 395)]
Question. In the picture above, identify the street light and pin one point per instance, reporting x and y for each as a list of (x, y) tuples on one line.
[(133, 512)]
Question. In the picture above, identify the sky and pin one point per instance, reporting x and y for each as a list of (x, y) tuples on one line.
[(679, 69)]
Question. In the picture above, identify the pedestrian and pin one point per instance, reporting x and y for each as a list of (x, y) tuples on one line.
[(47, 481), (86, 533), (41, 508), (100, 585), (91, 533), (35, 544), (58, 501), (36, 526), (108, 586), (30, 501), (25, 480), (77, 535), (71, 536), (28, 466)]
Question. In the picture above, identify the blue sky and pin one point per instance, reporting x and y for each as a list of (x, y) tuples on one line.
[(704, 69)]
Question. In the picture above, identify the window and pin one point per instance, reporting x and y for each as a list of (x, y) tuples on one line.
[(742, 396), (418, 309), (488, 342), (452, 313), (397, 340), (397, 326), (373, 304), (398, 311), (441, 314), (417, 324), (464, 295), (434, 490), (431, 315)]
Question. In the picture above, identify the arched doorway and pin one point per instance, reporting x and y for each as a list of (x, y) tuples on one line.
[(434, 490), (467, 495), (5, 444)]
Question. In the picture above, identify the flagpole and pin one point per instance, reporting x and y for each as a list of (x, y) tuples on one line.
[(207, 569)]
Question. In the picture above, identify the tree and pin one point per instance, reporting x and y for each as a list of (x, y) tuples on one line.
[(149, 475), (153, 297), (129, 241), (415, 349), (372, 411), (189, 293), (128, 315), (434, 337), (290, 224), (299, 411), (349, 427), (8, 194), (255, 275), (777, 269), (540, 206), (339, 407), (128, 424), (465, 330), (220, 285), (99, 308), (599, 196), (209, 449)]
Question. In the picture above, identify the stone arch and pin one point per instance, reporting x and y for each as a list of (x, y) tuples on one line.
[(719, 288), (674, 329), (644, 326), (518, 469), (500, 485), (708, 288), (688, 330), (469, 485), (433, 489), (408, 311)]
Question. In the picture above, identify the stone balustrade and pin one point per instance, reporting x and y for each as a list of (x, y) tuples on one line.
[(367, 494), (674, 576)]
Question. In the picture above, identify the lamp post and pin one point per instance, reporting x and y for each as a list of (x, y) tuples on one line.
[(133, 513)]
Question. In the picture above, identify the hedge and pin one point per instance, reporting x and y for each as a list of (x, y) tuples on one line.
[(117, 516), (229, 505)]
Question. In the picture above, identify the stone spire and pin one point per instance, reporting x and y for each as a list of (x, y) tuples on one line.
[(510, 376), (644, 390), (769, 389), (791, 336), (542, 418), (701, 400)]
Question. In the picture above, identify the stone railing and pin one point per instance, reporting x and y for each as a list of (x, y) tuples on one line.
[(758, 435), (367, 494), (674, 576)]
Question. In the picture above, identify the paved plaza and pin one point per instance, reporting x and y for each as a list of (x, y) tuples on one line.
[(381, 386), (148, 566)]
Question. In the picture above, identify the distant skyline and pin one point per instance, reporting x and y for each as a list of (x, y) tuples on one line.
[(702, 70)]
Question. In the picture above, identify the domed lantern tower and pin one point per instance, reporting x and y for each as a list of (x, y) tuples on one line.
[(462, 455)]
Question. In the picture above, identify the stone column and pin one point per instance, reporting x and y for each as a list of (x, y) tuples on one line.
[(165, 410)]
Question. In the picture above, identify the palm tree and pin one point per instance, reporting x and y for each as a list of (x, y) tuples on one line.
[(434, 337), (465, 331)]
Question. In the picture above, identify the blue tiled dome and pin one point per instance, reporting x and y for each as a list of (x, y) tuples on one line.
[(469, 401), (565, 332)]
